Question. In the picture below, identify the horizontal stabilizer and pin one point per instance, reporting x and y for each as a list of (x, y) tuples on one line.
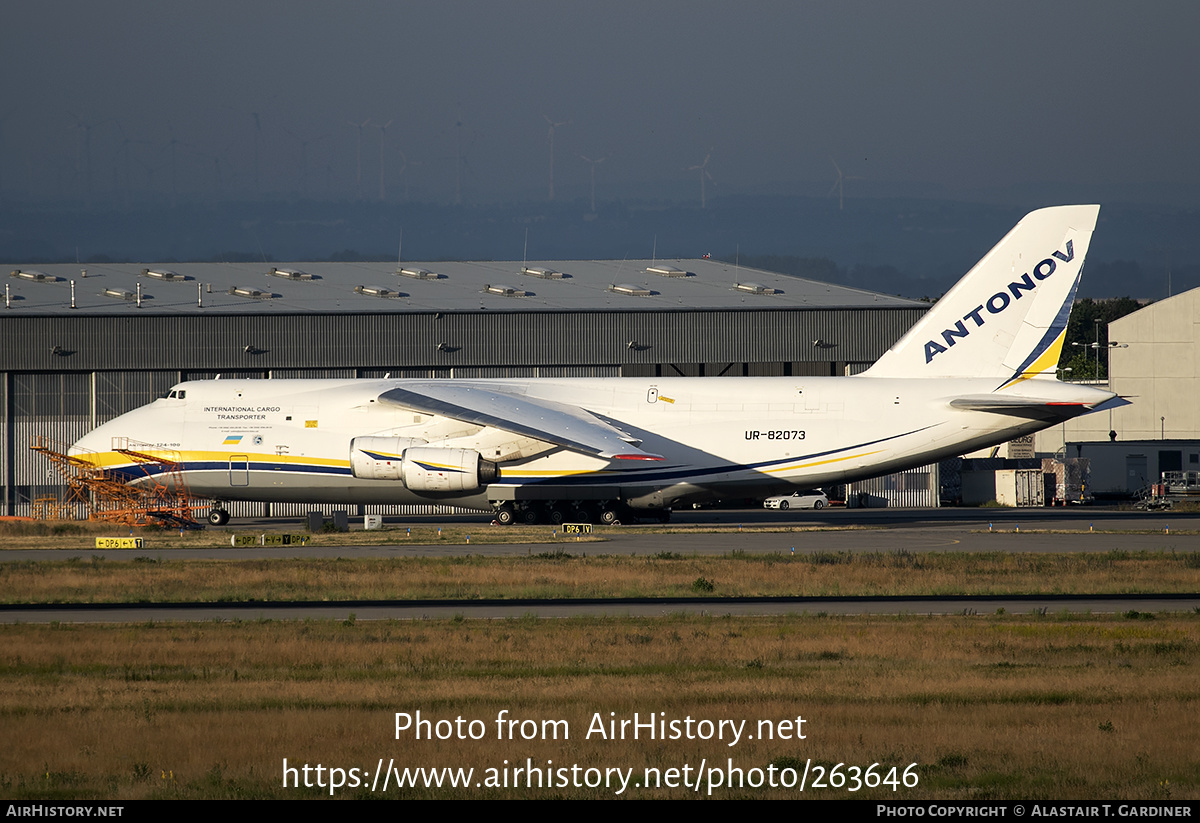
[(1032, 408), (484, 405)]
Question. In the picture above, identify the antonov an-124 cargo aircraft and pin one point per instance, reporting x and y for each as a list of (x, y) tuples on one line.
[(978, 369)]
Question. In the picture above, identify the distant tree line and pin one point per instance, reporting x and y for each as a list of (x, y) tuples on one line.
[(1087, 328)]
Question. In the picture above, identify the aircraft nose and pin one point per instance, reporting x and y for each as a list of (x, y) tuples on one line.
[(101, 438), (92, 442), (134, 427)]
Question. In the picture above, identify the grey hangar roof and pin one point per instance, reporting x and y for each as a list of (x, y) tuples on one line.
[(371, 287), (65, 370)]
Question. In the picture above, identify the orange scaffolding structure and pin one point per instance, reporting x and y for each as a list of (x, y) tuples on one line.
[(159, 495)]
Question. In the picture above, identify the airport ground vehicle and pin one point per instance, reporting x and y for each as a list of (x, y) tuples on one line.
[(807, 499)]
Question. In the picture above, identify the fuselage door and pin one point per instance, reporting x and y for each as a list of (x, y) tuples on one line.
[(239, 470)]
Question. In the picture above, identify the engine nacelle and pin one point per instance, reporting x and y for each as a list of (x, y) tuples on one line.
[(420, 468), (446, 470), (379, 458)]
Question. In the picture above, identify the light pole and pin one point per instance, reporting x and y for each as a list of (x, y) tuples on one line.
[(1083, 346), (1108, 358)]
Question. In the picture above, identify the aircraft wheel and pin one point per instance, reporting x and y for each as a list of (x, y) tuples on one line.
[(783, 504), (505, 516), (556, 516), (530, 516), (218, 517), (609, 516), (820, 504)]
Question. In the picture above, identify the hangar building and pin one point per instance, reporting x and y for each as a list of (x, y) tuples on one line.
[(1153, 363), (80, 345)]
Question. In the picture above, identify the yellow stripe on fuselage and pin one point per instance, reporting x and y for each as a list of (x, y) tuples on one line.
[(112, 460), (811, 463), (109, 460)]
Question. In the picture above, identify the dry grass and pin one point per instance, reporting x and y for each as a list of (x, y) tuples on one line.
[(558, 574), (76, 536), (990, 707)]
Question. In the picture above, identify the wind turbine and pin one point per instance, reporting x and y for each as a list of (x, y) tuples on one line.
[(3, 120), (703, 169), (593, 164), (460, 161), (304, 144), (83, 161), (358, 177), (382, 134), (257, 137), (837, 183), (121, 175), (257, 141), (218, 180), (553, 126), (171, 144), (403, 169)]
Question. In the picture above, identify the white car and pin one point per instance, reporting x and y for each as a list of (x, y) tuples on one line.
[(810, 499)]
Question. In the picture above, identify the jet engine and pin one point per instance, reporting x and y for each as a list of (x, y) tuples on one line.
[(420, 468)]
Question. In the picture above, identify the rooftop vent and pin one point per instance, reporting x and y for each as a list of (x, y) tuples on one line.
[(627, 288), (418, 274), (36, 276), (667, 271), (292, 274), (247, 291), (757, 288), (378, 291), (543, 272), (505, 291), (166, 274), (124, 294)]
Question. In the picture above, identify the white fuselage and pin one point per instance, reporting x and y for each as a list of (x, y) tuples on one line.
[(289, 440)]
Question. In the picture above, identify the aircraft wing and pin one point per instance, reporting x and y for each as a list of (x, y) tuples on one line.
[(559, 423)]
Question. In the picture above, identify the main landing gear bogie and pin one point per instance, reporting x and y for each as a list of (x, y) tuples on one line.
[(608, 513)]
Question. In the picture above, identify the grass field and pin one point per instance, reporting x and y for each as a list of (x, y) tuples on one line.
[(559, 573), (1008, 707), (998, 706)]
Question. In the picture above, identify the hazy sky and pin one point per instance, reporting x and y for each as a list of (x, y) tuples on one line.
[(123, 100)]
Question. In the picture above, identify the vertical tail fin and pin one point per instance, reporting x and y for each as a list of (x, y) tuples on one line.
[(1006, 319)]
